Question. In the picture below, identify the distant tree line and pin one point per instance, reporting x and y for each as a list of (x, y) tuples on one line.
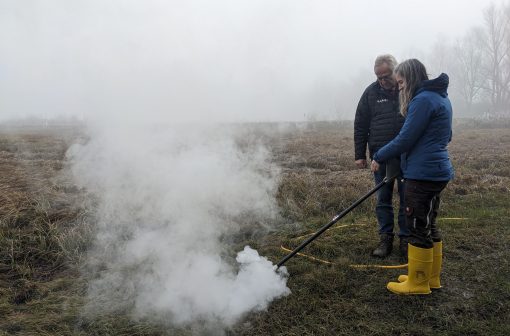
[(479, 65)]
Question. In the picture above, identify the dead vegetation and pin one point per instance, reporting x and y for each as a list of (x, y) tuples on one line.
[(45, 230)]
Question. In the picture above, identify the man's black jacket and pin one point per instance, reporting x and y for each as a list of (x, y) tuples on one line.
[(378, 120)]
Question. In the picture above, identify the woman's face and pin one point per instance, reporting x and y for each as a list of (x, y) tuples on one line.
[(400, 81)]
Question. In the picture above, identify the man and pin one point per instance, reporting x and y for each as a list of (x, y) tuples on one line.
[(377, 122)]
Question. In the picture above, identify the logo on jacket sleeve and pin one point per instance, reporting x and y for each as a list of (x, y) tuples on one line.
[(384, 100)]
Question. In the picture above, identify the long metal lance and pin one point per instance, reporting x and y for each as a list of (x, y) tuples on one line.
[(392, 171)]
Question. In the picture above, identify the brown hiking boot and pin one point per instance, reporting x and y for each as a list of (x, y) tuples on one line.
[(385, 246)]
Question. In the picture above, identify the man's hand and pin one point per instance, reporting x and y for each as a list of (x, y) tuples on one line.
[(374, 166), (361, 163)]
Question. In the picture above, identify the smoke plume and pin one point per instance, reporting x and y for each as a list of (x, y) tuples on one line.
[(166, 198)]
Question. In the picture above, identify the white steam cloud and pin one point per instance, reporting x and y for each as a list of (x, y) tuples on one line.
[(167, 199)]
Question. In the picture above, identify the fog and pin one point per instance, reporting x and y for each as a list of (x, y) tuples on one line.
[(221, 60)]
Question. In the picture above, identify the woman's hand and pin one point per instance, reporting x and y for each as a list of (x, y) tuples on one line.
[(374, 166)]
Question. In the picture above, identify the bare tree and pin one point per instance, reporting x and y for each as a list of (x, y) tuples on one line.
[(478, 64), (497, 58), (440, 57), (467, 68)]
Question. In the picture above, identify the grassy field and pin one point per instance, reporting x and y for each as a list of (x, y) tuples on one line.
[(45, 232)]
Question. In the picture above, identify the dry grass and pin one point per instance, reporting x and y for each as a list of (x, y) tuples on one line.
[(45, 231)]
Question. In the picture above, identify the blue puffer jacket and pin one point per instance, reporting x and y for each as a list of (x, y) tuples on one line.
[(423, 139)]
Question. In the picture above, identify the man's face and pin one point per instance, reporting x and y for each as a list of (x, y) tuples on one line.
[(385, 76)]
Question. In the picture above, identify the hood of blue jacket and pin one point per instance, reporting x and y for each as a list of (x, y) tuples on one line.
[(438, 85)]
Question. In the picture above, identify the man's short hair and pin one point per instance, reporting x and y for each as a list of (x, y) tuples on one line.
[(388, 59)]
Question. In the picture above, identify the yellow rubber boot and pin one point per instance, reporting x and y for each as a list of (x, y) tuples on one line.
[(420, 269), (437, 262)]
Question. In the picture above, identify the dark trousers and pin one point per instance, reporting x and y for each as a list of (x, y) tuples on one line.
[(384, 206), (422, 204)]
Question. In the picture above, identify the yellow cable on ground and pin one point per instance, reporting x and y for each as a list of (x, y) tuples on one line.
[(331, 263), (380, 266), (352, 265), (307, 256)]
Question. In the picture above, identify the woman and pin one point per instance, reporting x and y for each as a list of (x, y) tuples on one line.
[(426, 167)]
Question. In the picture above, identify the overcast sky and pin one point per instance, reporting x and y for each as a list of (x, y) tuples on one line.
[(234, 60)]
